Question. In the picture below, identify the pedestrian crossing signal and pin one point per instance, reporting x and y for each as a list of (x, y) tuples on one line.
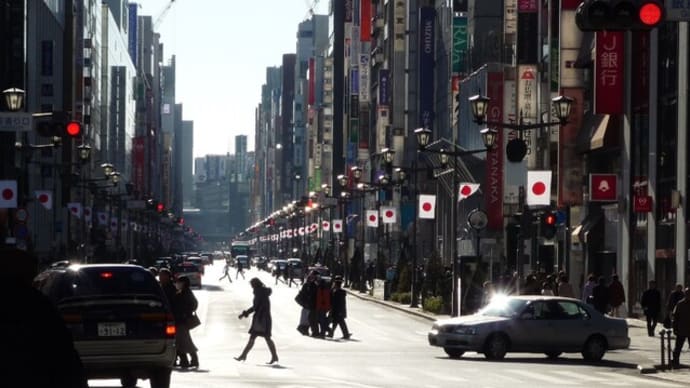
[(73, 129), (548, 225)]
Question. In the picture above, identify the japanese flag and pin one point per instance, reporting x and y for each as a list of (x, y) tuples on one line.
[(75, 209), (466, 189), (427, 206), (337, 226), (113, 223), (388, 215), (326, 226), (87, 214), (45, 198), (538, 187), (372, 218), (102, 218), (8, 194)]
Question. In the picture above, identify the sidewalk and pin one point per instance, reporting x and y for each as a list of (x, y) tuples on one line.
[(646, 350)]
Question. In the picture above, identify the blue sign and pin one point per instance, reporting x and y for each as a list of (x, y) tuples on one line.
[(560, 217), (132, 43)]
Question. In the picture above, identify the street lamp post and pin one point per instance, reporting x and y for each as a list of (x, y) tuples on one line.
[(516, 149), (489, 137)]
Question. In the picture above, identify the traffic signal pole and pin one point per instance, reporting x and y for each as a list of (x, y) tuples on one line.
[(682, 145)]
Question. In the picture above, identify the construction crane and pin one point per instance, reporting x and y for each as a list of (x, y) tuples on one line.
[(310, 6), (161, 15)]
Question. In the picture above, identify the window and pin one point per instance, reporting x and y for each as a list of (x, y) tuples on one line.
[(47, 58), (571, 310)]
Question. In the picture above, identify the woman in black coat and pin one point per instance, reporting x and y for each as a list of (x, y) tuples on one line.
[(184, 305), (261, 321)]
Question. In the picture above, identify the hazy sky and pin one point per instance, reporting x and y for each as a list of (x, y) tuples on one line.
[(222, 49)]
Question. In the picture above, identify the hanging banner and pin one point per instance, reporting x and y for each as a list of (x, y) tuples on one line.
[(459, 58), (608, 73), (426, 66)]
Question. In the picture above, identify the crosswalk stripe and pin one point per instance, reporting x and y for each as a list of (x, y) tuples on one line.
[(579, 376), (538, 376), (638, 381), (386, 373), (442, 377)]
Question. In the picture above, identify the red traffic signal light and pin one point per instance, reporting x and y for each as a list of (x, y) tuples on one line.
[(73, 128), (160, 207), (548, 225), (651, 13)]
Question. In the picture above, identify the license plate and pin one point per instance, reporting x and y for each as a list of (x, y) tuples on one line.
[(112, 329)]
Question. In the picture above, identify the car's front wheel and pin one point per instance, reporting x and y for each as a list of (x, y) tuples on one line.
[(453, 353), (160, 378), (594, 349), (128, 382), (496, 347), (553, 355)]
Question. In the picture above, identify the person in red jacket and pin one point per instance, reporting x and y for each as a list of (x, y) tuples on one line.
[(323, 306)]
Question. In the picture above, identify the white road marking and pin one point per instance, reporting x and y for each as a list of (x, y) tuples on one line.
[(539, 376), (638, 381), (579, 376)]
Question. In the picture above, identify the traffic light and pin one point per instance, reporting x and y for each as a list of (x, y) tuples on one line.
[(160, 207), (73, 129), (548, 225), (619, 15), (50, 124)]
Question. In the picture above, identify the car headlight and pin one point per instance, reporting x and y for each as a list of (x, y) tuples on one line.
[(465, 330)]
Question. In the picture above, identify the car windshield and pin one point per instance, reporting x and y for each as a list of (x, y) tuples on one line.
[(97, 281), (187, 268), (502, 306)]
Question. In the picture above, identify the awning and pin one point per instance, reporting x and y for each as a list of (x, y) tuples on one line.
[(597, 131), (581, 232)]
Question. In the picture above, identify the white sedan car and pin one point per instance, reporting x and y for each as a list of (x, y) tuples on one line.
[(531, 324)]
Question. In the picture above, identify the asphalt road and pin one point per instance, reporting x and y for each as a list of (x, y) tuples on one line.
[(388, 349)]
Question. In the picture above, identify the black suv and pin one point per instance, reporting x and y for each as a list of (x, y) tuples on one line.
[(120, 320)]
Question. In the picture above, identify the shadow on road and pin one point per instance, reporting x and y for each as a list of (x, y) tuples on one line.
[(545, 361), (211, 288)]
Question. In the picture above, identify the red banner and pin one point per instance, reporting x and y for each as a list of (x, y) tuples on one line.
[(312, 82), (608, 73), (570, 171), (494, 158), (642, 203), (570, 4), (365, 21), (138, 162)]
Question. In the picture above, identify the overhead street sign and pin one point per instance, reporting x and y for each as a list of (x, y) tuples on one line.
[(678, 10), (16, 122)]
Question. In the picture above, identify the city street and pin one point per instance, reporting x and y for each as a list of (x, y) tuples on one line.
[(388, 349)]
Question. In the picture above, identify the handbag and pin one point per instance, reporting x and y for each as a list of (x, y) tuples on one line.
[(193, 321)]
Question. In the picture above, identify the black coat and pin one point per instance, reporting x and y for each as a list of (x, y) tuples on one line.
[(600, 298), (261, 307), (651, 302), (307, 296), (38, 346), (169, 290), (184, 304), (338, 303)]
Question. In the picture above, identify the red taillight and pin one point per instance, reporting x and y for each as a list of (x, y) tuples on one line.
[(170, 330), (106, 275), (71, 318)]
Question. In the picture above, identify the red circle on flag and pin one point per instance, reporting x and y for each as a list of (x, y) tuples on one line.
[(389, 213), (87, 212), (539, 188), (372, 218), (7, 194), (426, 206), (337, 226), (43, 198), (465, 190), (73, 209), (325, 224)]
